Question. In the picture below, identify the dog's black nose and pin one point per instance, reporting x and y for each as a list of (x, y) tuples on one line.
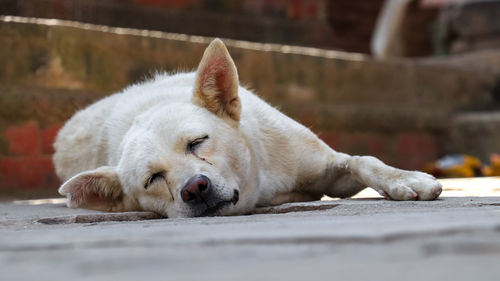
[(196, 189)]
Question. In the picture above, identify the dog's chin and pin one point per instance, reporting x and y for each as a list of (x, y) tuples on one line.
[(223, 207), (220, 209)]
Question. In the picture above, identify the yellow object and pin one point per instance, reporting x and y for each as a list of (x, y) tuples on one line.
[(494, 169), (455, 166)]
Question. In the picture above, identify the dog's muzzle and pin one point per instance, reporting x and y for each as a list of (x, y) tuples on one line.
[(199, 194)]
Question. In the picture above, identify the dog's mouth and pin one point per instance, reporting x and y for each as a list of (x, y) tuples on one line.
[(215, 209)]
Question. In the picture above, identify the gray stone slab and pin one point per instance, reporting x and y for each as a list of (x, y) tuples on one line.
[(447, 239)]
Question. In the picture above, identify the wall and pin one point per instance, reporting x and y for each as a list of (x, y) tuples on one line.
[(337, 24), (468, 26)]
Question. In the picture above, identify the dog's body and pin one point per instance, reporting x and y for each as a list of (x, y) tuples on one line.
[(196, 144)]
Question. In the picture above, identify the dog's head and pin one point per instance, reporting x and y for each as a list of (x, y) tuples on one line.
[(182, 159)]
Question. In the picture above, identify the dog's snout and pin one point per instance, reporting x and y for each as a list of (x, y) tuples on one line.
[(196, 189)]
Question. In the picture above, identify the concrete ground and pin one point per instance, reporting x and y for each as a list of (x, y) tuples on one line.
[(453, 238)]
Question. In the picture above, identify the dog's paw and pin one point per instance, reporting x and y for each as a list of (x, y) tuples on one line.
[(411, 186)]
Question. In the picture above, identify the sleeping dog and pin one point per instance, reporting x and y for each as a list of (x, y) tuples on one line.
[(199, 144)]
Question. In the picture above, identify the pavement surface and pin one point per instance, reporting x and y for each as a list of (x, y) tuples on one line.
[(453, 238)]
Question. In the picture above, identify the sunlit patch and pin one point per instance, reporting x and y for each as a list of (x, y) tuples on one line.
[(267, 47), (464, 187), (456, 187), (41, 201)]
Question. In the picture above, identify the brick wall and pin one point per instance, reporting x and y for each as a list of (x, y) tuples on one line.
[(27, 163), (397, 110), (337, 24)]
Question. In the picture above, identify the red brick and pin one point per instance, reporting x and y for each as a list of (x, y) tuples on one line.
[(304, 9), (375, 144), (308, 116), (263, 6), (48, 137), (331, 138), (362, 143), (415, 150), (23, 140), (167, 3), (27, 172)]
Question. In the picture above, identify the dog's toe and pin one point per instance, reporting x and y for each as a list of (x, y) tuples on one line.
[(400, 193), (425, 185), (411, 186), (430, 191)]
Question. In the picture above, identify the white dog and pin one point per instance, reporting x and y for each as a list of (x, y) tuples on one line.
[(197, 144)]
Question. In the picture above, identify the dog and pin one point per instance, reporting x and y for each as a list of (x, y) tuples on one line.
[(199, 144)]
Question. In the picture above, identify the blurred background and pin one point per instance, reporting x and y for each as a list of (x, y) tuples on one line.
[(409, 81)]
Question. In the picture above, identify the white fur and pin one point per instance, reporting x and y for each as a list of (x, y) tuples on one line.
[(266, 156)]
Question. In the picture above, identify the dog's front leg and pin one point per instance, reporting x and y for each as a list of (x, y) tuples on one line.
[(354, 173)]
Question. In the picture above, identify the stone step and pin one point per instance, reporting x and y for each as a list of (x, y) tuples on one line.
[(476, 134)]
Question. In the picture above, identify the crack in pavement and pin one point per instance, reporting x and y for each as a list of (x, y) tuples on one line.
[(105, 217)]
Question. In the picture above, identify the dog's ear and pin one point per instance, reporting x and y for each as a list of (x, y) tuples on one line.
[(216, 86), (98, 189)]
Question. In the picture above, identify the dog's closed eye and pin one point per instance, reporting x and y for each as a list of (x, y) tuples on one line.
[(154, 178), (194, 144)]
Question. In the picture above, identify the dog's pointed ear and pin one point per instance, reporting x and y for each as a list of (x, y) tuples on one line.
[(98, 189), (216, 86)]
